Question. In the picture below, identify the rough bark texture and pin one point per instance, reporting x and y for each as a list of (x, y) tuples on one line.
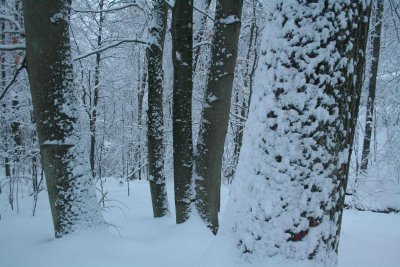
[(293, 170), (66, 165), (182, 52), (217, 101), (155, 121), (376, 46)]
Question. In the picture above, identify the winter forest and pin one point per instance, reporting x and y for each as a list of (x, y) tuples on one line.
[(200, 133)]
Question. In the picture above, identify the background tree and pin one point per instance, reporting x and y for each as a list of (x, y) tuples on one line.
[(376, 45)]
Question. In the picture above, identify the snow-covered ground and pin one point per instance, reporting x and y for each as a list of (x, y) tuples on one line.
[(135, 239)]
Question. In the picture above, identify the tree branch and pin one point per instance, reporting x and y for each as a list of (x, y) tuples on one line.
[(106, 47), (12, 47), (108, 9), (14, 78), (203, 12)]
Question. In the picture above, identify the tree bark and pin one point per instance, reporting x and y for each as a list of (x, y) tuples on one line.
[(66, 165), (155, 118), (93, 114), (376, 46), (214, 123), (182, 52), (293, 170)]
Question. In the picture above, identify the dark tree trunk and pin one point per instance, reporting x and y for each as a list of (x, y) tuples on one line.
[(155, 118), (214, 123), (376, 46), (93, 114), (66, 165), (182, 52)]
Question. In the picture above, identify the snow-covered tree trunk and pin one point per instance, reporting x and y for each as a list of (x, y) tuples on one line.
[(65, 160), (155, 121), (288, 192), (217, 101), (182, 52)]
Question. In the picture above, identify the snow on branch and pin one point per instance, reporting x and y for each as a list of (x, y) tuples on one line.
[(12, 20), (170, 3), (13, 47), (20, 32), (202, 43), (106, 47)]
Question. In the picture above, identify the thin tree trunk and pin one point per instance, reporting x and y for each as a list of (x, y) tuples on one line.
[(7, 167), (93, 115), (214, 123), (200, 34), (155, 118), (243, 109), (141, 90), (182, 52), (376, 45), (66, 165)]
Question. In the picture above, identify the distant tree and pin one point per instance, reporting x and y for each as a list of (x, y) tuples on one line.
[(376, 46), (66, 165), (288, 193)]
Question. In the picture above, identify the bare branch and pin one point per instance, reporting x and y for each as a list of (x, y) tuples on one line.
[(106, 47), (203, 12), (108, 9), (14, 78)]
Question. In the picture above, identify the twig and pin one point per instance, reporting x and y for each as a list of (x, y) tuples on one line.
[(16, 72), (106, 47)]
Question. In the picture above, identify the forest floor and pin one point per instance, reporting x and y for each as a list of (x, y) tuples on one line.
[(135, 239)]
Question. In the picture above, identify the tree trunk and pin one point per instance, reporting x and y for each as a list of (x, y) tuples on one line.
[(199, 37), (376, 46), (243, 108), (7, 167), (214, 123), (93, 115), (292, 174), (69, 183), (155, 118), (182, 52)]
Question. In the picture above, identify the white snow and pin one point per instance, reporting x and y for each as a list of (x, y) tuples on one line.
[(368, 239)]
